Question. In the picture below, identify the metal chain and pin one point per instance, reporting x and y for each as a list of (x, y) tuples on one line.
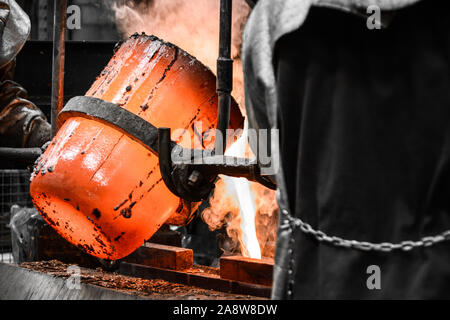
[(366, 246)]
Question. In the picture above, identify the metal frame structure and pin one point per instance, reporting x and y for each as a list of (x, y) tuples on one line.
[(59, 37), (224, 76)]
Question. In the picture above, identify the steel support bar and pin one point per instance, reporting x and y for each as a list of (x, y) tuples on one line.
[(59, 34), (224, 76), (22, 155)]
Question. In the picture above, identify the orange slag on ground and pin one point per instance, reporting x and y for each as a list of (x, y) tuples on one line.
[(100, 189)]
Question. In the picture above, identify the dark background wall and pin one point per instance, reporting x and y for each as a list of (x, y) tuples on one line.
[(88, 49), (97, 19)]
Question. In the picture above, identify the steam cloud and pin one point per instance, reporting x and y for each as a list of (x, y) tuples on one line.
[(192, 25)]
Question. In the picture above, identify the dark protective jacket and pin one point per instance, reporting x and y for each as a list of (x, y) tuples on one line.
[(364, 145)]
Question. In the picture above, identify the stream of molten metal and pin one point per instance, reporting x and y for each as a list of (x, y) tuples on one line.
[(239, 188)]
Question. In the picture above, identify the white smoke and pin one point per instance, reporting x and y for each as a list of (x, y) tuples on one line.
[(191, 25)]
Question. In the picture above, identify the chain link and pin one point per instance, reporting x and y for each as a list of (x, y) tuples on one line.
[(366, 246)]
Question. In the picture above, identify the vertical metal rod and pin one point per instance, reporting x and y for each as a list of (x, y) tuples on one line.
[(224, 76), (59, 34)]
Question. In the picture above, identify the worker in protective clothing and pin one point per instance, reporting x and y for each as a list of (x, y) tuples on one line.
[(360, 93), (22, 124)]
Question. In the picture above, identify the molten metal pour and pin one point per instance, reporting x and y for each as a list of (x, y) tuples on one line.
[(98, 183), (108, 207)]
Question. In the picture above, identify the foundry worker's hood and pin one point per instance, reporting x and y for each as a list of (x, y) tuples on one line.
[(328, 83), (15, 28)]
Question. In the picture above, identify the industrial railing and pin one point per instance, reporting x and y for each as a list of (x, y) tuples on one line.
[(14, 189)]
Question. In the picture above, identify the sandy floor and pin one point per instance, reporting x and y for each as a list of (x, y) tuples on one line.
[(156, 289)]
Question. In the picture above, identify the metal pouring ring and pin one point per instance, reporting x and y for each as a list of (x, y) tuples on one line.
[(114, 115)]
